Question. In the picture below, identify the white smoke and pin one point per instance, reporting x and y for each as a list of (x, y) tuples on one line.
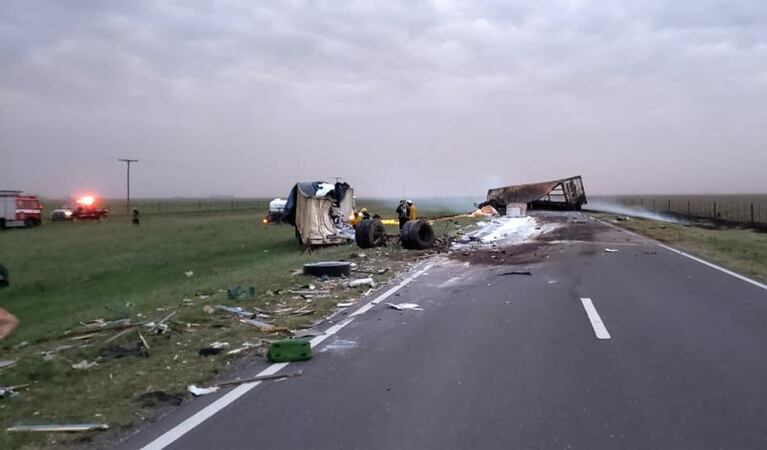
[(615, 208)]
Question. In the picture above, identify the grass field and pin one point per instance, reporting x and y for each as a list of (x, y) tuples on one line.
[(740, 249), (66, 273)]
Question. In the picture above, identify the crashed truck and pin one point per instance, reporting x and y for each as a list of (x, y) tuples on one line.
[(562, 194), (320, 212)]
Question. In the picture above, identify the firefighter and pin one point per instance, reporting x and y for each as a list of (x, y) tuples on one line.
[(411, 212), (402, 213), (135, 217)]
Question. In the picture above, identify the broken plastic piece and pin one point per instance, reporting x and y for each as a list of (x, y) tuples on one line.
[(362, 282), (611, 250), (198, 391)]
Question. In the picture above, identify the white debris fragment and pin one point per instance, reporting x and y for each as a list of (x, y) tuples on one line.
[(345, 304), (504, 230), (406, 306), (84, 365), (198, 391), (611, 250), (189, 273), (362, 282)]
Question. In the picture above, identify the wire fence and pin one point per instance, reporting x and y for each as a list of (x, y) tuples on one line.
[(742, 209), (170, 206)]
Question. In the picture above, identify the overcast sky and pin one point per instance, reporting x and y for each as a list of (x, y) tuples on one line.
[(448, 97)]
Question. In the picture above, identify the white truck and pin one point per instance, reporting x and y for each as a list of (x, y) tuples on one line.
[(19, 210)]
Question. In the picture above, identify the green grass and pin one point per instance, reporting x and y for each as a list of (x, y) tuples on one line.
[(740, 249), (65, 273)]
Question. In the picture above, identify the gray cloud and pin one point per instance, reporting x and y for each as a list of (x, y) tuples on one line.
[(449, 97)]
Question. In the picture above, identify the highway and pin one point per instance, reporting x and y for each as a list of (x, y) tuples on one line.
[(639, 348)]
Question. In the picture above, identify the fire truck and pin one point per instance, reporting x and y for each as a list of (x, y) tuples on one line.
[(19, 210)]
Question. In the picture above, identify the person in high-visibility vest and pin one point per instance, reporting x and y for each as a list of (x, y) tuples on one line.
[(411, 212)]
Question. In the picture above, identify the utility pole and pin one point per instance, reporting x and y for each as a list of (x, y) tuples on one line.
[(127, 201)]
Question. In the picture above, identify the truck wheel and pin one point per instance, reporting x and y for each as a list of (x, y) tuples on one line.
[(29, 223), (330, 268), (417, 235), (370, 233)]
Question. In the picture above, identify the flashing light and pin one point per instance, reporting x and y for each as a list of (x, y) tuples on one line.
[(88, 200), (265, 221), (68, 213)]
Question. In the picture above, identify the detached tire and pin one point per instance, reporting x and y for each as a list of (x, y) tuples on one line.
[(370, 234), (417, 235), (330, 268)]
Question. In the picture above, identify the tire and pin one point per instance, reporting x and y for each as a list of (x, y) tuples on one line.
[(417, 235), (370, 234), (330, 268)]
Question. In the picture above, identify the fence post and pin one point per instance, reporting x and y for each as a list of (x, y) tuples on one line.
[(714, 210), (653, 204), (688, 208), (752, 213), (669, 205)]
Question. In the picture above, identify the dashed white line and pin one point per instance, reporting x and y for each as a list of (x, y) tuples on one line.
[(209, 411), (596, 322)]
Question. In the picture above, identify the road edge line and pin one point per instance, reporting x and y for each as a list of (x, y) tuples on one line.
[(687, 255)]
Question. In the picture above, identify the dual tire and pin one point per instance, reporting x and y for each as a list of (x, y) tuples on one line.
[(370, 233), (417, 235)]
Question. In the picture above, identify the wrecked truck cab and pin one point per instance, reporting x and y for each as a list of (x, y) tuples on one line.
[(319, 211)]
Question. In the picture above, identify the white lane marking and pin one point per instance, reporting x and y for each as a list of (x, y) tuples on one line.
[(596, 322), (687, 255), (204, 414), (209, 411), (714, 266)]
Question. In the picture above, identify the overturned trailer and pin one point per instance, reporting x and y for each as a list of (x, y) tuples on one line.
[(320, 212), (565, 193)]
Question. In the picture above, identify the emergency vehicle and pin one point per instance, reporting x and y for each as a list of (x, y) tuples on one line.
[(19, 210)]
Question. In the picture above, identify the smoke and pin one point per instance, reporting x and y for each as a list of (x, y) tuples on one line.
[(615, 208)]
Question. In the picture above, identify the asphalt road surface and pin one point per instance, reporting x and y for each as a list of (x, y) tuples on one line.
[(641, 348)]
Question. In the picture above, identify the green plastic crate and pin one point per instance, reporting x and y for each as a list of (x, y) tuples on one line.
[(290, 350)]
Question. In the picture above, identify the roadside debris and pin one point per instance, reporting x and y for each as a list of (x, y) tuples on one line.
[(329, 268), (10, 391), (84, 365), (362, 282), (485, 211), (69, 428), (189, 273), (345, 304), (263, 326), (237, 311), (405, 306), (198, 391), (289, 350), (155, 398), (517, 272), (7, 363), (117, 351), (213, 349), (611, 250)]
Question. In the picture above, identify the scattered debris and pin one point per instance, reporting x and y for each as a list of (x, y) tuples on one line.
[(213, 349), (10, 391), (329, 268), (362, 282), (84, 365), (237, 311), (209, 309), (517, 272), (155, 398), (7, 363), (61, 428), (198, 391), (263, 326), (611, 250), (189, 273), (117, 351), (289, 350), (345, 304), (406, 306)]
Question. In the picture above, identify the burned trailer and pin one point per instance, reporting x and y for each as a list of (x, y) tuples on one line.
[(563, 194)]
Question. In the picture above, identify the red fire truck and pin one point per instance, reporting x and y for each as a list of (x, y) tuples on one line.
[(19, 210)]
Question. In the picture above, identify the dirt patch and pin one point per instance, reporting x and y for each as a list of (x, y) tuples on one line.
[(527, 253)]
